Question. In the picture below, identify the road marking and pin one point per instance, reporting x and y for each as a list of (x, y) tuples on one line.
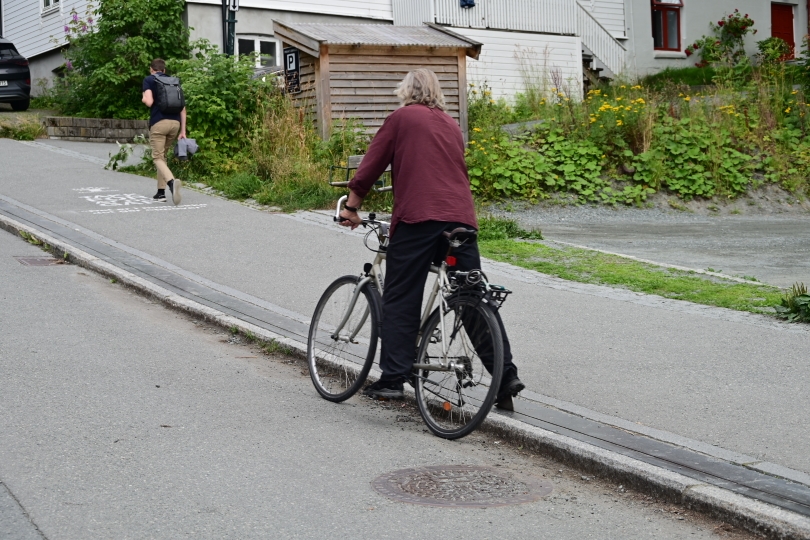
[(145, 209)]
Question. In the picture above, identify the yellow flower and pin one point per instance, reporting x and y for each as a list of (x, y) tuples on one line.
[(787, 110), (795, 92), (618, 99), (687, 98), (472, 142), (472, 85), (476, 129), (622, 87), (619, 123), (491, 101)]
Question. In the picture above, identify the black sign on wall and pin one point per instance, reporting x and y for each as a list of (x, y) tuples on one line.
[(292, 70)]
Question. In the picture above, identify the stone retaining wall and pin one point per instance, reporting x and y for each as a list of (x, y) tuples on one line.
[(95, 129)]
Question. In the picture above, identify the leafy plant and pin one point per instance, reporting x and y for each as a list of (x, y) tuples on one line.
[(495, 228), (795, 304), (694, 159)]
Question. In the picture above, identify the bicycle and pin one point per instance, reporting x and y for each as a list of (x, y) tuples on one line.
[(459, 363)]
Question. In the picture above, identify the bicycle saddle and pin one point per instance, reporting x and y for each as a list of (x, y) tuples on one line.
[(461, 234)]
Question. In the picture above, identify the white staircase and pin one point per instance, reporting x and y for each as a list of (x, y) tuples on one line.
[(608, 52)]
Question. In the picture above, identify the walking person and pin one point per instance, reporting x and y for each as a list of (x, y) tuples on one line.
[(425, 149), (167, 123)]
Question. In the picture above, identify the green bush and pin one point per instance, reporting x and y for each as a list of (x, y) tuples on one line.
[(691, 76), (109, 52), (222, 98)]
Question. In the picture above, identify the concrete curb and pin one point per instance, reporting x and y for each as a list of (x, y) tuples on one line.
[(755, 516)]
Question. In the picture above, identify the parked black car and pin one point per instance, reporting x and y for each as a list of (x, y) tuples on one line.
[(15, 77)]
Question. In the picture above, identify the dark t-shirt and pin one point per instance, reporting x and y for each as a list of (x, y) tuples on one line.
[(425, 148), (155, 115)]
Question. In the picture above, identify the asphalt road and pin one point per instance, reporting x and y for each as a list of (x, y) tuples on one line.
[(121, 419), (738, 382)]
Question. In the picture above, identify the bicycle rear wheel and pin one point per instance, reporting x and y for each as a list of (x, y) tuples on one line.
[(454, 400), (339, 360)]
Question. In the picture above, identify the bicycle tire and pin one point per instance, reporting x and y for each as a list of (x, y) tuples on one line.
[(338, 368), (454, 403)]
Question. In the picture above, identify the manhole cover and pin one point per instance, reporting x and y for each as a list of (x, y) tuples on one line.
[(38, 261), (459, 485)]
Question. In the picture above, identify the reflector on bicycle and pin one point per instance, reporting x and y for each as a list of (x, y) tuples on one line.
[(450, 260)]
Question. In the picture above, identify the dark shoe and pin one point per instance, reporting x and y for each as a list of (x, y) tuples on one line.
[(509, 390), (385, 390), (174, 187), (160, 196)]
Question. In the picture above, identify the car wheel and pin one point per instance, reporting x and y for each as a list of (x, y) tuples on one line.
[(20, 105)]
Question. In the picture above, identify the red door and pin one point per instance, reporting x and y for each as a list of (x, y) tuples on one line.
[(782, 24)]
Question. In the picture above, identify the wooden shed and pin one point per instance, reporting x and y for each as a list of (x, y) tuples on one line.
[(342, 71)]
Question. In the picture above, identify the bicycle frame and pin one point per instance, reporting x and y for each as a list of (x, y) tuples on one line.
[(375, 274)]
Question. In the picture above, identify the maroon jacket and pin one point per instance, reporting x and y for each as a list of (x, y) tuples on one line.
[(425, 149)]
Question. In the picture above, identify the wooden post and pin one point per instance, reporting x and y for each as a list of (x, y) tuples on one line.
[(324, 90), (462, 93)]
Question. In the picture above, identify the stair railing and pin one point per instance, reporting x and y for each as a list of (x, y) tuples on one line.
[(600, 41)]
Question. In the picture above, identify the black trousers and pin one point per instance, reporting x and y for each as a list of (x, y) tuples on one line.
[(412, 249)]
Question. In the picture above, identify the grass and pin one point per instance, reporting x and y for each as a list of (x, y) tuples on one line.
[(21, 126), (587, 266)]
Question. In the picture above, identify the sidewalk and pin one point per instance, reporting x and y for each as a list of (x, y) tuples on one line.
[(724, 383)]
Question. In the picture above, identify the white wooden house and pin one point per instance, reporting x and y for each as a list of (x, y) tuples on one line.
[(523, 40)]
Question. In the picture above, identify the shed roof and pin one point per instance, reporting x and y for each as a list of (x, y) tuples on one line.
[(311, 35)]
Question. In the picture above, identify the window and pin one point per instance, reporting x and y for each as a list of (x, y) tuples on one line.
[(666, 25), (267, 49), (49, 5), (7, 51)]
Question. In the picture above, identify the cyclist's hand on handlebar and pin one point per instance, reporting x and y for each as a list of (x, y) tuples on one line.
[(349, 219)]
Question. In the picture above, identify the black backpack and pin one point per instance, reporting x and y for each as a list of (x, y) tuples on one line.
[(169, 96)]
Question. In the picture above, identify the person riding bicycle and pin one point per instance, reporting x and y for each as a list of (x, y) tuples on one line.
[(425, 148)]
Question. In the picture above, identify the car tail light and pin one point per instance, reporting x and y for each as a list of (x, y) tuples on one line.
[(28, 82), (20, 62)]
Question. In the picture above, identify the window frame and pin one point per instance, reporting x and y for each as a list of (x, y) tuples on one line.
[(664, 7), (257, 47), (53, 7)]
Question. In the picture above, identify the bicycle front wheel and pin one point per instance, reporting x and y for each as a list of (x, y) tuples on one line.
[(343, 337), (459, 368)]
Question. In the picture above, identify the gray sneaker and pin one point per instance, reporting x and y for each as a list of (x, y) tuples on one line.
[(174, 187)]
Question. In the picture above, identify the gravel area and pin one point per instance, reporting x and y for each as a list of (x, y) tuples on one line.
[(766, 235)]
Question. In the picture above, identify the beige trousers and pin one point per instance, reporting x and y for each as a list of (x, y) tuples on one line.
[(161, 138)]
